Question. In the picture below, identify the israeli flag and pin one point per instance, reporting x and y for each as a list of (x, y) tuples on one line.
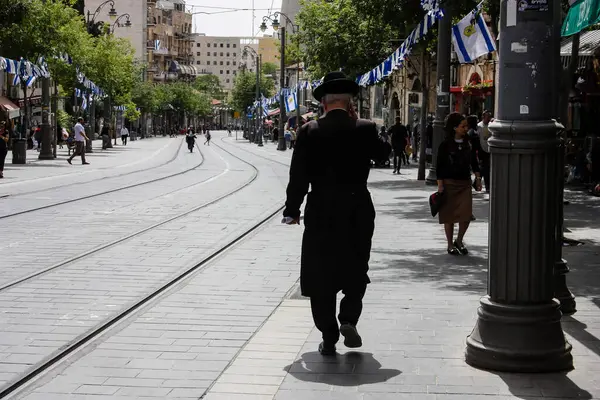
[(84, 102), (472, 38), (156, 45), (291, 102)]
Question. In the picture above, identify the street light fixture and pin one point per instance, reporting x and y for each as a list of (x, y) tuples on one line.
[(112, 14), (127, 23)]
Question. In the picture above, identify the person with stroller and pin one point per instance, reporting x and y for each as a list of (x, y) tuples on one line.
[(399, 135)]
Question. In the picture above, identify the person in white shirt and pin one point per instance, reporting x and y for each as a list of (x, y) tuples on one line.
[(484, 158), (80, 138), (124, 135)]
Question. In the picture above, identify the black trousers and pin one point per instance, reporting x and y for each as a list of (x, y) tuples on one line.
[(400, 157), (485, 168), (323, 308), (79, 151), (3, 153)]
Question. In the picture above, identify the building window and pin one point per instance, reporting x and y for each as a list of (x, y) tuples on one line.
[(234, 45), (214, 63), (198, 62), (227, 72), (221, 44), (221, 72), (208, 54), (198, 54), (207, 44), (227, 62), (234, 54), (214, 45), (228, 45), (227, 81), (221, 62), (221, 54), (227, 54), (234, 73), (234, 63), (197, 44)]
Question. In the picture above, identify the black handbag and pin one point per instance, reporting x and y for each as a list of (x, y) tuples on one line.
[(436, 201)]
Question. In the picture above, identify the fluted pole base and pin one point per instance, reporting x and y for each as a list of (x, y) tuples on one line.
[(518, 338), (568, 306)]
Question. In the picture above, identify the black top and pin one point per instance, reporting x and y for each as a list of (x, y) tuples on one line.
[(456, 160), (399, 136), (333, 155), (3, 134)]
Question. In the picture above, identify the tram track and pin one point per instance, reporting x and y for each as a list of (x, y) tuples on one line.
[(68, 201), (83, 255), (89, 337), (93, 180)]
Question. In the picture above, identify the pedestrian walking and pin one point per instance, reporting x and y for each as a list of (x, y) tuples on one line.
[(4, 136), (483, 131), (208, 137), (455, 163), (105, 133), (80, 138), (340, 217), (124, 135), (399, 135)]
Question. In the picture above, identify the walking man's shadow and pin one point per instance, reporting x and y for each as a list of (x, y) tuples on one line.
[(349, 369)]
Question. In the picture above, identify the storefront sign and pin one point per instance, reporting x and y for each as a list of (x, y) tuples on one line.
[(582, 14)]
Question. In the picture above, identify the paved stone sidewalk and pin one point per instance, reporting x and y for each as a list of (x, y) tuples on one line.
[(418, 311), (138, 155)]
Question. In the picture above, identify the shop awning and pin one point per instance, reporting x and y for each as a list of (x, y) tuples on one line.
[(193, 70), (583, 13), (9, 107)]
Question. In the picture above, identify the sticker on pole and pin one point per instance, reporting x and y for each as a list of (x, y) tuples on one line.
[(533, 5), (524, 109)]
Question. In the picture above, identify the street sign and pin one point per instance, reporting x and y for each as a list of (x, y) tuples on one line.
[(236, 114), (582, 14)]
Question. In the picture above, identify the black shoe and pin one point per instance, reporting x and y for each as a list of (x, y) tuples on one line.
[(461, 248), (327, 349), (352, 338), (69, 161), (454, 251), (473, 218), (85, 163)]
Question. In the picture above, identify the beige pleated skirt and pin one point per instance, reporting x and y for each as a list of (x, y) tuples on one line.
[(458, 204)]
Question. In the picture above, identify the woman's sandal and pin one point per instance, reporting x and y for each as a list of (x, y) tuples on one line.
[(461, 248), (454, 251)]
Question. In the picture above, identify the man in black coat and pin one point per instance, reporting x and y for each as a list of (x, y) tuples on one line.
[(399, 135), (333, 155)]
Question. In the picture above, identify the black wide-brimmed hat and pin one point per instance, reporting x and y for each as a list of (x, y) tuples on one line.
[(335, 83)]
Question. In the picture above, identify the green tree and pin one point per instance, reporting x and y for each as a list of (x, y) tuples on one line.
[(146, 97), (243, 94), (210, 85)]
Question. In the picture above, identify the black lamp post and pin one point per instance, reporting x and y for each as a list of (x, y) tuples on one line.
[(91, 17), (275, 24), (257, 59)]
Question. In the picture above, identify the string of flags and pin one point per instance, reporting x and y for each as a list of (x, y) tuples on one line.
[(289, 95), (28, 72), (396, 59), (471, 38)]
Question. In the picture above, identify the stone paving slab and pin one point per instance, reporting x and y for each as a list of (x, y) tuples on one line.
[(38, 317), (139, 155), (418, 311)]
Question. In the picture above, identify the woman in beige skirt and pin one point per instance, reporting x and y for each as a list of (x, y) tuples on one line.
[(455, 163)]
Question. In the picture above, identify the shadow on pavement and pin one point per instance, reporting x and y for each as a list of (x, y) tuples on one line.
[(579, 331), (457, 273), (349, 369), (536, 386)]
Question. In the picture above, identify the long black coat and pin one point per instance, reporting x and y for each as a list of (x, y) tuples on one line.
[(334, 155)]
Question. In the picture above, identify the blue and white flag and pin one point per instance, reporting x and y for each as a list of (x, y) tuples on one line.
[(472, 38), (291, 102), (157, 45), (84, 103)]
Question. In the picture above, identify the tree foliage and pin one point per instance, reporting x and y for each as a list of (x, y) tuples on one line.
[(183, 97), (243, 94), (210, 85)]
